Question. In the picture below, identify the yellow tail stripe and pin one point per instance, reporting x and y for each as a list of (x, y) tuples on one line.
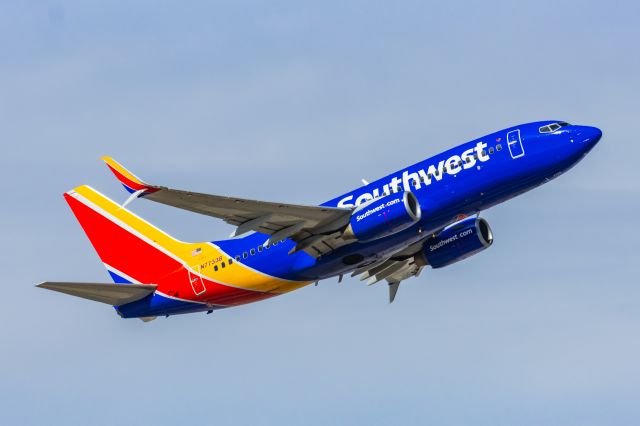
[(200, 257)]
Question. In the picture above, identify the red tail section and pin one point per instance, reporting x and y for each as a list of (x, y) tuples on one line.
[(135, 251)]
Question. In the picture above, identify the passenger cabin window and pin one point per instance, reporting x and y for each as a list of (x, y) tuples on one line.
[(499, 147), (252, 251), (491, 150)]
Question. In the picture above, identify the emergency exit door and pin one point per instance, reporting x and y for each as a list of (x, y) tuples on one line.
[(196, 280)]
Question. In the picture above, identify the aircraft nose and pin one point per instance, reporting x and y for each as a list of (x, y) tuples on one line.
[(588, 135)]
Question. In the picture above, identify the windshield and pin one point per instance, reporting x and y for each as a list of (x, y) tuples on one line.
[(550, 128)]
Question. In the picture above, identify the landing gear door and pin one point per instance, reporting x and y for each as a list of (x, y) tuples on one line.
[(196, 280), (514, 142)]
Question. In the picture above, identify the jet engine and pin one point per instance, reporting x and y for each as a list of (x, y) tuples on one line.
[(457, 242), (383, 216)]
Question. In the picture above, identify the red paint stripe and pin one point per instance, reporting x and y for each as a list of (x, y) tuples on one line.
[(128, 253), (136, 186)]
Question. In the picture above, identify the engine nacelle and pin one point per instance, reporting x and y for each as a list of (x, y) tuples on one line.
[(383, 217), (458, 242)]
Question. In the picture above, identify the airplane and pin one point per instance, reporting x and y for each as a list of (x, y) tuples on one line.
[(389, 230)]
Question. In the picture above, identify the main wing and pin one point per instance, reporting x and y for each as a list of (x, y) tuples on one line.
[(315, 229)]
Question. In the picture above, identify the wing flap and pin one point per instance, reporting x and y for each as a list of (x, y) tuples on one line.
[(111, 294)]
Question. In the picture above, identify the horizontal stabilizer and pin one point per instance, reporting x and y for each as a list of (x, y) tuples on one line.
[(112, 294)]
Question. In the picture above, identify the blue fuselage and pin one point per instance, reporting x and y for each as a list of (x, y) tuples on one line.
[(461, 181)]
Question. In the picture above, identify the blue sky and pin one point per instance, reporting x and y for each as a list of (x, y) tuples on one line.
[(296, 102)]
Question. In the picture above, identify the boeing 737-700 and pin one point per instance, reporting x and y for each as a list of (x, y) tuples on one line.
[(388, 230)]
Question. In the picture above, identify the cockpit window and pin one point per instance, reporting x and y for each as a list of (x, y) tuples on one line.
[(550, 128)]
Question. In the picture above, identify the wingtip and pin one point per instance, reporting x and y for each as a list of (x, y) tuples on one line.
[(46, 285), (113, 165)]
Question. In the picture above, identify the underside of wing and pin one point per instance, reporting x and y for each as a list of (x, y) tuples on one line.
[(316, 229), (253, 215), (395, 269)]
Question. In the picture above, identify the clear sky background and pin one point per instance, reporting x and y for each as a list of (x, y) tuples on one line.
[(293, 101)]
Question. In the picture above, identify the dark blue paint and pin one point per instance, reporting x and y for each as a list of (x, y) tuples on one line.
[(118, 279), (456, 243), (156, 305), (527, 158), (546, 156)]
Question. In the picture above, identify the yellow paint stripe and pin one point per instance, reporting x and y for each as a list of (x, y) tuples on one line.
[(236, 275)]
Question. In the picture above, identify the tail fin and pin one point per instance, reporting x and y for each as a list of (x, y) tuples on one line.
[(133, 250)]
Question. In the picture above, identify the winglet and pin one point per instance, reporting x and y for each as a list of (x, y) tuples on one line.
[(132, 183)]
